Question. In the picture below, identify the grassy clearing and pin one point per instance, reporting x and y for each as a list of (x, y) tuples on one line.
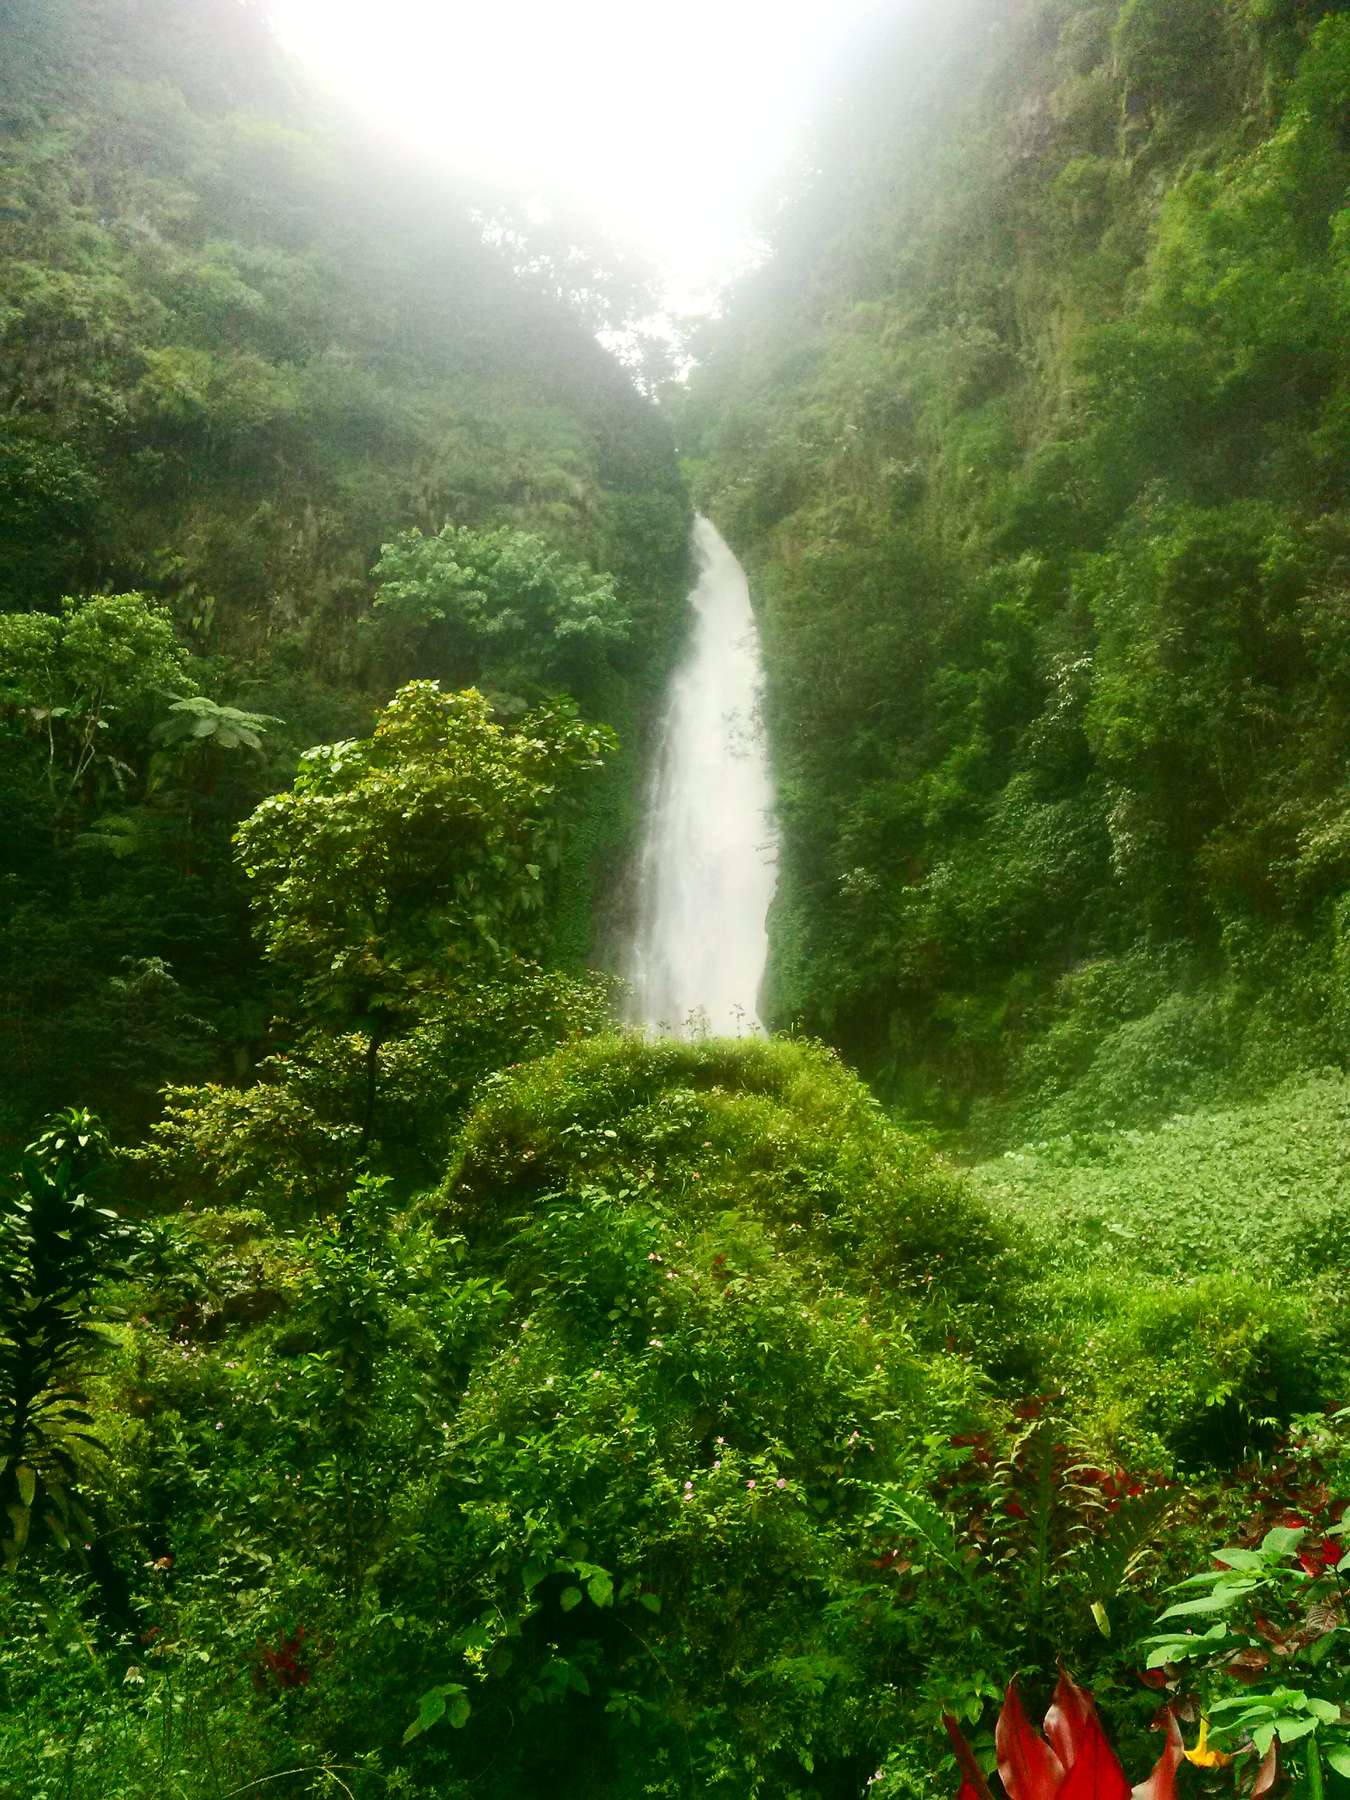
[(1263, 1188), (1186, 1288)]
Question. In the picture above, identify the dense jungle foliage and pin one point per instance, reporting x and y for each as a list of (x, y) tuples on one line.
[(412, 1386), (1035, 435), (243, 347)]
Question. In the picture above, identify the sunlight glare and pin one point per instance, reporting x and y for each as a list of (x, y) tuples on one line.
[(662, 126)]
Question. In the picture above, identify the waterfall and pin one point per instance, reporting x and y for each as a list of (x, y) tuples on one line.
[(709, 851)]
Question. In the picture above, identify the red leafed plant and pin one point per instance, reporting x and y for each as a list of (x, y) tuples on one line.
[(1072, 1761), (283, 1662)]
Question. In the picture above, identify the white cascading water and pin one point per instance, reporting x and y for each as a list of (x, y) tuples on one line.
[(709, 854)]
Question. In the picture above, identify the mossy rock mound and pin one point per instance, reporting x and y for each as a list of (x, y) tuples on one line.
[(713, 1303), (772, 1132)]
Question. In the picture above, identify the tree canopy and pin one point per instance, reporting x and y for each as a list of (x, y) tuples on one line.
[(500, 604), (400, 863), (1033, 435)]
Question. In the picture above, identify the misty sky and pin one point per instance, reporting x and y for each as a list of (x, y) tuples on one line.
[(663, 125)]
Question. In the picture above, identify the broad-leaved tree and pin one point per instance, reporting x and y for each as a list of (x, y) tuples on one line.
[(402, 868)]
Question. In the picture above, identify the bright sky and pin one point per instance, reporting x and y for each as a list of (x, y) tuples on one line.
[(662, 124)]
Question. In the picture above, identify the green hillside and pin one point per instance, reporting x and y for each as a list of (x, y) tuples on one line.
[(1034, 434), (243, 346)]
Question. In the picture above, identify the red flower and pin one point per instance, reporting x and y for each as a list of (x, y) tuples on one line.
[(1318, 1557), (1072, 1761)]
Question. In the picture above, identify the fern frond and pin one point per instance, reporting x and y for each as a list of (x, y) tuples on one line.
[(1106, 1562)]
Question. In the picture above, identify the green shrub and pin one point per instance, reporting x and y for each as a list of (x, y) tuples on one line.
[(775, 1132), (1168, 48), (1191, 1278), (1204, 1373), (1253, 1187), (585, 1452)]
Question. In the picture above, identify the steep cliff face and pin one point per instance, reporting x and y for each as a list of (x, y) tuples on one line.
[(1036, 433), (242, 347)]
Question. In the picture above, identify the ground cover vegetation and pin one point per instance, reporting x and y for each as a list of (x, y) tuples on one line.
[(697, 1431), (1033, 433), (410, 1385)]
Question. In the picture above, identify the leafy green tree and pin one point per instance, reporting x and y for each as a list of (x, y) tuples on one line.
[(599, 281), (288, 1142), (86, 685), (499, 605), (48, 509), (403, 866), (118, 801), (198, 740)]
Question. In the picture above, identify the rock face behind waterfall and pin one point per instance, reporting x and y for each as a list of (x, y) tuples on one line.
[(709, 853)]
